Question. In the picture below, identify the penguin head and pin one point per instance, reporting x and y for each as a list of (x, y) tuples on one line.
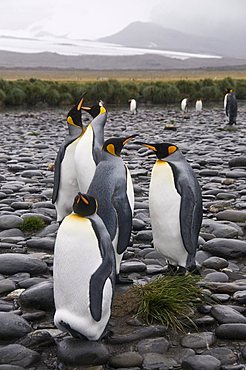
[(115, 145), (162, 150), (84, 205), (96, 109), (74, 115)]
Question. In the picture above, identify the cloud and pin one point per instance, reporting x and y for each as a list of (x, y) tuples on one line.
[(76, 18), (218, 18)]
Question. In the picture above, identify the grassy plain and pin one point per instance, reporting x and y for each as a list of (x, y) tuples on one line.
[(121, 75)]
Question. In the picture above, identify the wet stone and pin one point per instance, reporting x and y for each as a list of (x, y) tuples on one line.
[(41, 243), (216, 276), (198, 340), (13, 326), (132, 266), (145, 236), (224, 314), (216, 263), (6, 286), (72, 351), (226, 248), (232, 215), (155, 345), (240, 296), (220, 229), (157, 360), (13, 263), (39, 296), (127, 359), (138, 334), (16, 354), (233, 331), (10, 222), (224, 355), (198, 362)]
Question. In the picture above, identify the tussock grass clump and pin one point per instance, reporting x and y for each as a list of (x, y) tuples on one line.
[(32, 224), (168, 300)]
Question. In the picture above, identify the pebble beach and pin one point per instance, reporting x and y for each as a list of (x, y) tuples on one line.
[(217, 153)]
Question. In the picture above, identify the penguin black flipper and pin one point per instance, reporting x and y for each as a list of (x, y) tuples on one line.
[(58, 162), (124, 216), (104, 271), (190, 208)]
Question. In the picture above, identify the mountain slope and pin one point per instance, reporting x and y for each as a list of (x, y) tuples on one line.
[(151, 35), (104, 62)]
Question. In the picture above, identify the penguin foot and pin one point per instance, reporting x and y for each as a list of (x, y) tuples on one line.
[(171, 269), (194, 271), (181, 271), (71, 331), (122, 280)]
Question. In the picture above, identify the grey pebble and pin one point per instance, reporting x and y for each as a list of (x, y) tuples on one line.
[(198, 362), (72, 351), (16, 354), (39, 296), (13, 326)]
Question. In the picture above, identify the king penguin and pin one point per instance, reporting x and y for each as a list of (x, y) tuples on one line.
[(65, 178), (183, 105), (88, 151), (112, 187), (133, 106), (175, 205), (84, 272), (199, 105)]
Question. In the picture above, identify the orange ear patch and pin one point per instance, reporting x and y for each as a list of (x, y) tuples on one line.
[(70, 120), (111, 149), (172, 149)]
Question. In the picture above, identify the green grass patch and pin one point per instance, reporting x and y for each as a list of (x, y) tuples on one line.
[(168, 300), (33, 133), (32, 224)]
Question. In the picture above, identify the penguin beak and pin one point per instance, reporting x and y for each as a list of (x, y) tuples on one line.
[(129, 138), (79, 106), (151, 147)]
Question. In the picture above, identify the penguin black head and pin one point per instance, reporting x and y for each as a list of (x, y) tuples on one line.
[(162, 150), (96, 109), (74, 115), (84, 205), (114, 145)]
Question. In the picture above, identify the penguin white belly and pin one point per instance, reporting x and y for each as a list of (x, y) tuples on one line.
[(130, 190), (84, 162), (76, 257), (164, 205), (68, 186), (118, 257)]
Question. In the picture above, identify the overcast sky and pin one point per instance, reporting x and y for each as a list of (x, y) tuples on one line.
[(94, 19)]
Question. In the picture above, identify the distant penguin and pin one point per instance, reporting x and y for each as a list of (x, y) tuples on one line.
[(65, 177), (225, 101), (183, 105), (89, 149), (199, 105), (133, 106), (84, 272), (175, 205), (231, 107), (112, 187)]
